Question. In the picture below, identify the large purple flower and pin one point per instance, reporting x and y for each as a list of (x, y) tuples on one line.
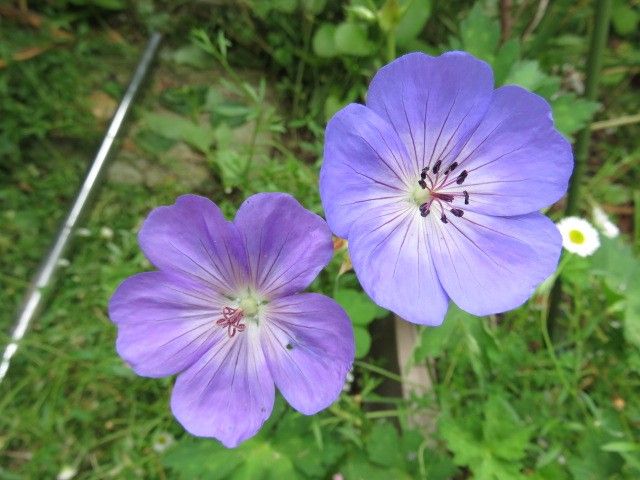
[(223, 311), (437, 183)]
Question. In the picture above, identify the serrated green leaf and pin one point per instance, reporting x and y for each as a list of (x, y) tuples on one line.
[(383, 445), (571, 113)]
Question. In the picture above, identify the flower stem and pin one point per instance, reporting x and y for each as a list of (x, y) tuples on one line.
[(594, 63), (391, 45)]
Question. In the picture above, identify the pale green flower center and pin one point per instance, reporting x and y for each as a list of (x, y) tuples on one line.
[(419, 196)]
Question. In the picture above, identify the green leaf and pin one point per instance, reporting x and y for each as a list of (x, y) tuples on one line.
[(358, 306), (196, 459), (591, 462), (571, 113), (624, 17), (352, 39), (494, 453), (413, 21), (527, 74), (359, 468), (617, 263), (383, 445), (620, 447), (505, 441), (435, 340), (632, 315), (363, 341), (504, 61), (176, 127), (314, 7), (480, 34), (324, 44)]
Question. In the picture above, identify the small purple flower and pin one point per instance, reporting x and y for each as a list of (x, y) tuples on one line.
[(225, 313), (437, 182)]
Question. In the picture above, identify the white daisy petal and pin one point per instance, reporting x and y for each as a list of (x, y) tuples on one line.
[(578, 236), (602, 221)]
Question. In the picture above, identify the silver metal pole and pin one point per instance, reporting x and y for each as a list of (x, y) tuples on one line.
[(43, 277)]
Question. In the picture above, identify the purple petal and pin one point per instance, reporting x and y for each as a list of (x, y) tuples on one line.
[(492, 264), (434, 103), (228, 394), (308, 342), (286, 245), (365, 166), (391, 256), (516, 161), (192, 237), (165, 322)]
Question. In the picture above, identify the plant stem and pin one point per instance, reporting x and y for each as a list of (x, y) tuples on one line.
[(594, 63), (391, 45), (616, 122)]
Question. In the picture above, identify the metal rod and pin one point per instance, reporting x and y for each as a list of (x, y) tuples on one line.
[(45, 273)]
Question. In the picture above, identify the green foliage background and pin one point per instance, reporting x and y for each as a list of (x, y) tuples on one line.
[(237, 104)]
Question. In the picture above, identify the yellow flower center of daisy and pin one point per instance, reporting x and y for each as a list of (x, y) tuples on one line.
[(576, 236)]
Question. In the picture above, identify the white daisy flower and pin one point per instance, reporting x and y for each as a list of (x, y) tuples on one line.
[(162, 441), (67, 473), (602, 221), (578, 236)]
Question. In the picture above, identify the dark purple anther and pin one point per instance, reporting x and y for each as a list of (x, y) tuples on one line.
[(451, 168), (462, 177), (457, 212), (444, 218), (466, 197), (436, 167), (422, 184)]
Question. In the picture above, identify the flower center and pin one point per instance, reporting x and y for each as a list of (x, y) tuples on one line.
[(576, 236), (232, 317), (249, 306), (433, 180)]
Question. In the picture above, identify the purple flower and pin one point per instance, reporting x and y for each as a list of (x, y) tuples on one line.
[(225, 313), (437, 182)]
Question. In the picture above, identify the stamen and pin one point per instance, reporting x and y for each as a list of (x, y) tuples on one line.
[(462, 177), (423, 174), (451, 168), (457, 212), (445, 197), (425, 209), (231, 318), (466, 197), (422, 184), (436, 167), (444, 218)]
